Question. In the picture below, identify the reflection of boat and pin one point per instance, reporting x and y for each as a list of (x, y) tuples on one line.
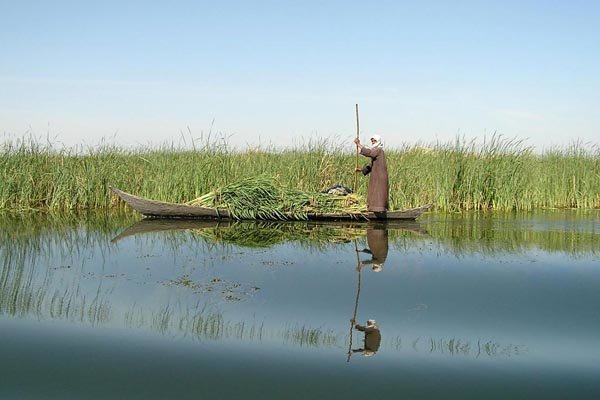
[(161, 209), (163, 225)]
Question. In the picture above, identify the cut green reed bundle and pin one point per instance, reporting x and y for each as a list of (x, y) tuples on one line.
[(263, 197)]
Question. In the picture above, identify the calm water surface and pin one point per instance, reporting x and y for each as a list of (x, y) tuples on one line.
[(468, 306)]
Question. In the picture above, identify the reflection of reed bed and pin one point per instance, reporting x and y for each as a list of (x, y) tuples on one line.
[(314, 337), (26, 279), (489, 236), (202, 323), (19, 294), (210, 324), (40, 236), (77, 308), (28, 285), (468, 348), (205, 322), (62, 233), (22, 294), (500, 174), (459, 347), (16, 225)]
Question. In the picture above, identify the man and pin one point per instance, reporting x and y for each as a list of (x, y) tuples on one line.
[(372, 338), (378, 193), (377, 240)]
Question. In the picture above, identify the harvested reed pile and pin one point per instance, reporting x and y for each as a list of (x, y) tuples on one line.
[(262, 197)]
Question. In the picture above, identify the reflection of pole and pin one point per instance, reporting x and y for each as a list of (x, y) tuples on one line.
[(357, 136), (353, 321)]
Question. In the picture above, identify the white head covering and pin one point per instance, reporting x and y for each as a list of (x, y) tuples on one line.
[(379, 142), (377, 267), (370, 322)]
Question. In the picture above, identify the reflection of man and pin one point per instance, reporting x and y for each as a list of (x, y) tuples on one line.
[(377, 240), (372, 338)]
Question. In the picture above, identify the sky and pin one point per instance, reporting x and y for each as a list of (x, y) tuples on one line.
[(283, 73)]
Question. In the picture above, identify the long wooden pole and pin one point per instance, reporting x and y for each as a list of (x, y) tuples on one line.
[(357, 136), (353, 320)]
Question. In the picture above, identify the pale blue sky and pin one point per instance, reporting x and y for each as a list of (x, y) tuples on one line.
[(140, 72)]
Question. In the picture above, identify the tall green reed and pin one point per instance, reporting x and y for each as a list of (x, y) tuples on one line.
[(499, 174)]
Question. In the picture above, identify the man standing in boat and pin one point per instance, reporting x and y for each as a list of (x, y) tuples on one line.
[(377, 196)]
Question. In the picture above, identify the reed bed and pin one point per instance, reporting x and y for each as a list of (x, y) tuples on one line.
[(500, 174)]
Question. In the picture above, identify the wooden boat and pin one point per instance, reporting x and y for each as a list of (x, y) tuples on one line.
[(161, 209)]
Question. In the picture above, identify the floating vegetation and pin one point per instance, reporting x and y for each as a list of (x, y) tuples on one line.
[(263, 197), (231, 291)]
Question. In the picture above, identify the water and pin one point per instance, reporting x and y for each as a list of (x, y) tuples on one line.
[(468, 306)]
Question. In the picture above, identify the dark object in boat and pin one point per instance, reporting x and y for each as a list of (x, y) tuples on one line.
[(338, 190)]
